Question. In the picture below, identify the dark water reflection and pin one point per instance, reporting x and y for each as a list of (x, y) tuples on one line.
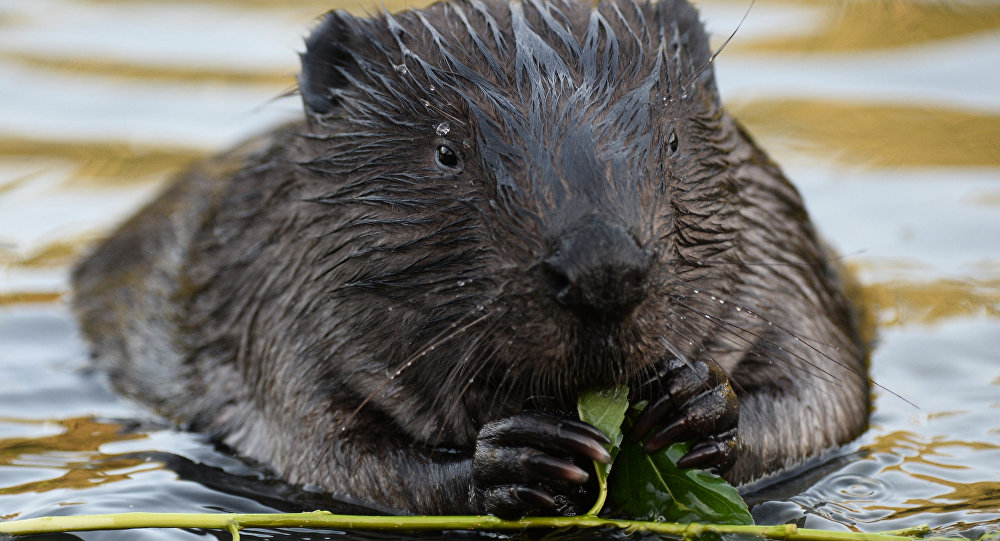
[(885, 113)]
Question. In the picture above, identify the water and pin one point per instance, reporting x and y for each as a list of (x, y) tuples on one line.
[(886, 114)]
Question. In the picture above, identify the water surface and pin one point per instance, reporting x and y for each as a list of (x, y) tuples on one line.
[(886, 114)]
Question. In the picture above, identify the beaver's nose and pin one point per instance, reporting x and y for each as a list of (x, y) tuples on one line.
[(598, 270)]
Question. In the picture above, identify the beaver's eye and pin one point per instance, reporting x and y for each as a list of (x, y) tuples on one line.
[(672, 142), (447, 158)]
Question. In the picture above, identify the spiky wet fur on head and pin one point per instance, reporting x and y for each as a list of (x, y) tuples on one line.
[(561, 110)]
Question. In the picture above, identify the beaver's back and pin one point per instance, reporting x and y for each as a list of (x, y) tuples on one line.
[(128, 294)]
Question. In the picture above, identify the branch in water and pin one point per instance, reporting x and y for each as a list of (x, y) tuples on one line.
[(325, 520)]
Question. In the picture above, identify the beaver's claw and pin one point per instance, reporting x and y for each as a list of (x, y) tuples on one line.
[(532, 462), (691, 402)]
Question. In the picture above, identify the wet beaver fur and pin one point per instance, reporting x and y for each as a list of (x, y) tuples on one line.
[(489, 207)]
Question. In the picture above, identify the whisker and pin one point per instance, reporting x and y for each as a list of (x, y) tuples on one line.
[(732, 336), (483, 364), (711, 59), (756, 313), (458, 372), (766, 340), (794, 336), (409, 362)]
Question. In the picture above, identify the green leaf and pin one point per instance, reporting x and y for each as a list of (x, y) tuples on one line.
[(652, 487), (605, 410)]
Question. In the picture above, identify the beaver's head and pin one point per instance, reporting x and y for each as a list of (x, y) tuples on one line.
[(535, 194)]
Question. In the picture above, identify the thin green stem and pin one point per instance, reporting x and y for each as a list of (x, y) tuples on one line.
[(325, 520), (913, 531), (602, 496)]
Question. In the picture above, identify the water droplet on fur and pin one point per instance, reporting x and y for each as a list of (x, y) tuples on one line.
[(738, 309), (696, 292), (402, 69), (461, 283), (432, 88), (426, 103), (442, 129)]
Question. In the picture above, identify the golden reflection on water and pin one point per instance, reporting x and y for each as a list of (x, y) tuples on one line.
[(876, 24), (962, 497), (29, 297), (917, 457), (74, 450), (58, 253), (99, 163), (121, 69), (897, 302), (310, 9), (878, 134)]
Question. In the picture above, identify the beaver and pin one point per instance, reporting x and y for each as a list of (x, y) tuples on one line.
[(489, 207)]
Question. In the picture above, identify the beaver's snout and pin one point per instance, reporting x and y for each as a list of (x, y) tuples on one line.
[(598, 269)]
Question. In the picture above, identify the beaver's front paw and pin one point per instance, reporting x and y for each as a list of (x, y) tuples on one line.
[(691, 402), (533, 462)]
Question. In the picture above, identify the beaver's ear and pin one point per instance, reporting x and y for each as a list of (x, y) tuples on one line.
[(327, 59)]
